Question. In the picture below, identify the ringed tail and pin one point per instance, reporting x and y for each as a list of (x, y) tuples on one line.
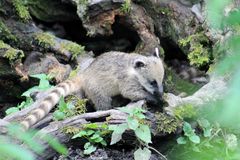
[(47, 103)]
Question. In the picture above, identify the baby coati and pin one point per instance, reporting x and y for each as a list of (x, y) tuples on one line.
[(132, 76)]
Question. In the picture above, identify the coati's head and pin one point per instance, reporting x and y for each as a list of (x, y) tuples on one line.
[(150, 72)]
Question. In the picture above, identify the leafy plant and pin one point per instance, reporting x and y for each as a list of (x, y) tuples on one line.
[(199, 55), (94, 134), (63, 109), (21, 9), (68, 109), (192, 138), (206, 127), (42, 86), (221, 142), (126, 6), (10, 150), (135, 122), (189, 134), (216, 143)]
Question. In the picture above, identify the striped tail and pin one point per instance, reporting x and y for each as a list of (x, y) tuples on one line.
[(46, 104)]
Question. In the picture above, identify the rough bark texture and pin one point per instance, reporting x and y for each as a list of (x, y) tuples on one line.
[(114, 116)]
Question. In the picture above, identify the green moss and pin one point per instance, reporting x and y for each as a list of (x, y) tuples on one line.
[(11, 53), (71, 130), (185, 111), (80, 104), (45, 40), (21, 9), (126, 6), (5, 34), (81, 7), (74, 72), (199, 55), (161, 52), (166, 123), (74, 48), (163, 10)]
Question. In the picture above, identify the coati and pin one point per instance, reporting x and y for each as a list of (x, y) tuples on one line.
[(132, 76)]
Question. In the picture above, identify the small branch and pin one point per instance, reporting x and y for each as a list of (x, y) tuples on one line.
[(164, 157)]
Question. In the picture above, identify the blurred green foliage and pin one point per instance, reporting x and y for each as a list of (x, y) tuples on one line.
[(223, 126), (9, 149)]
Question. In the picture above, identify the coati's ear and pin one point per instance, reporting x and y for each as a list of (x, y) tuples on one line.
[(156, 53), (138, 63)]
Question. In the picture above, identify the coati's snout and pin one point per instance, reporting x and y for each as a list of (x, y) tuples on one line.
[(157, 89), (157, 94)]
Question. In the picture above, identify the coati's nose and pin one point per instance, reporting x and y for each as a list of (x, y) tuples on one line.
[(160, 90)]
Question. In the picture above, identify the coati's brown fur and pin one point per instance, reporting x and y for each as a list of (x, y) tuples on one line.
[(133, 76)]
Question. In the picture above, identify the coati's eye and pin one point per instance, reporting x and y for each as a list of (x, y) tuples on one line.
[(139, 64), (154, 84)]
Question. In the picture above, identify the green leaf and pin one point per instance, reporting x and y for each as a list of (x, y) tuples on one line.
[(143, 133), (56, 145), (204, 123), (121, 128), (62, 106), (132, 123), (22, 105), (117, 133), (206, 127), (104, 126), (95, 136), (80, 134), (126, 110), (140, 115), (89, 148), (207, 132), (29, 91), (26, 103), (89, 132), (12, 151), (58, 115), (188, 131), (104, 143), (181, 140), (44, 84), (138, 110), (116, 137), (142, 154), (26, 137), (194, 139), (98, 140), (39, 76), (87, 145), (91, 126), (11, 110)]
